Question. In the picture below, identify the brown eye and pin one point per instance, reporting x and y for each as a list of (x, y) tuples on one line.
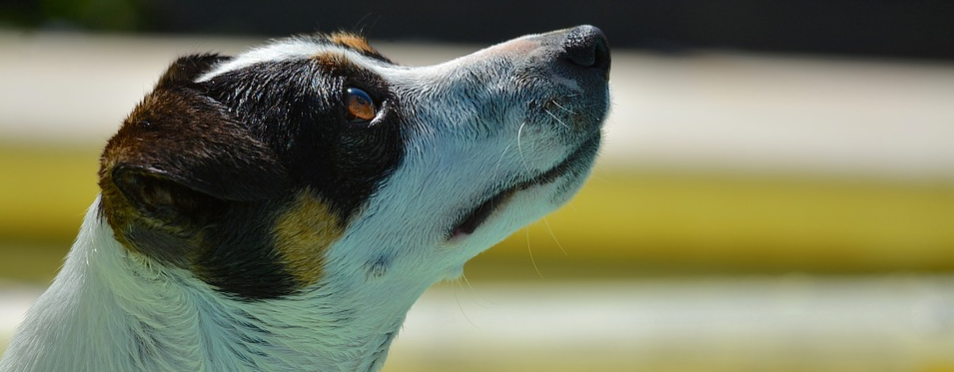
[(360, 106)]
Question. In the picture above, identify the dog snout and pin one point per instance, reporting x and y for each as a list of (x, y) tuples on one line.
[(586, 47)]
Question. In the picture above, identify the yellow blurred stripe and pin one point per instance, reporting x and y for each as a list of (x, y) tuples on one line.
[(752, 222), (44, 191), (681, 220)]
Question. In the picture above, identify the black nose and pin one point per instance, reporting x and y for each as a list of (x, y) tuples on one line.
[(586, 46)]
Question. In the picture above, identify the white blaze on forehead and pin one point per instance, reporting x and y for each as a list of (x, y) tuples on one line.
[(279, 51)]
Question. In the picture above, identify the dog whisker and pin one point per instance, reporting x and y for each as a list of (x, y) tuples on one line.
[(530, 251), (523, 158), (557, 119), (474, 292), (597, 176), (552, 234), (563, 108), (463, 312), (501, 158)]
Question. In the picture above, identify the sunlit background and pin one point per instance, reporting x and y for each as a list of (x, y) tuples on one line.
[(776, 191)]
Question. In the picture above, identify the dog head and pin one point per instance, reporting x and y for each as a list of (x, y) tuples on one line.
[(316, 159)]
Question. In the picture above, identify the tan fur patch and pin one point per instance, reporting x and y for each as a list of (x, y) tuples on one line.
[(331, 61), (352, 41), (303, 233)]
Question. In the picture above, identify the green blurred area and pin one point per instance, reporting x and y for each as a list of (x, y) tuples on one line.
[(624, 223), (96, 15)]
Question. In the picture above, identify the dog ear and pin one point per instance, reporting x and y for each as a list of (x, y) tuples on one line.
[(182, 154), (157, 197), (187, 69)]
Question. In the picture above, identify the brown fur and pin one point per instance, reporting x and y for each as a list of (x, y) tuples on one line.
[(352, 41), (173, 166), (302, 233)]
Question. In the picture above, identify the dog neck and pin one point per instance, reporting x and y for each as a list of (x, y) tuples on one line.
[(110, 310)]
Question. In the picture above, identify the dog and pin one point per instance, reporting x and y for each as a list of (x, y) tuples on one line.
[(282, 209)]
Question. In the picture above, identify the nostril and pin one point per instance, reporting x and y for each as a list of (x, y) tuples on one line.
[(586, 46)]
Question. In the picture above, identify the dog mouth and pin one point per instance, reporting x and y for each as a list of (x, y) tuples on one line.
[(473, 220)]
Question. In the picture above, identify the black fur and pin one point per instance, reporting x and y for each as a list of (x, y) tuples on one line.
[(296, 107), (206, 167)]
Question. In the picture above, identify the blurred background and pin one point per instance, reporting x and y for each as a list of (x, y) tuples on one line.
[(776, 190)]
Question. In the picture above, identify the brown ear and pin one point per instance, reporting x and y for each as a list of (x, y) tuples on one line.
[(179, 150)]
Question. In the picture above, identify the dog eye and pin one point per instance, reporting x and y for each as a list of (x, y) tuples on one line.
[(360, 106)]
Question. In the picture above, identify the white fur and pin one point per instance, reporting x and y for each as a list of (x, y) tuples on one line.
[(105, 300), (280, 50), (469, 137)]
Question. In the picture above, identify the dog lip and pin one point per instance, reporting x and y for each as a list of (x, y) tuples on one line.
[(474, 219), (483, 211)]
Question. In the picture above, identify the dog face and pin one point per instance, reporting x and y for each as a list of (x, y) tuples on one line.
[(315, 160)]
